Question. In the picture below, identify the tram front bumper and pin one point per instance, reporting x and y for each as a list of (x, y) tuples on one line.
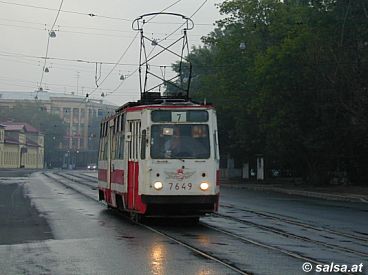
[(180, 205)]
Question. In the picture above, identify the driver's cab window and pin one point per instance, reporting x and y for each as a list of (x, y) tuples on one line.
[(171, 141)]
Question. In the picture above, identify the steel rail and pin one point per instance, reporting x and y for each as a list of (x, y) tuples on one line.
[(295, 222), (334, 247)]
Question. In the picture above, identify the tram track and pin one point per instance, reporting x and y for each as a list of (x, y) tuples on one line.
[(67, 176), (286, 234), (172, 238), (268, 215), (272, 216), (69, 186), (83, 176), (196, 250), (292, 221), (200, 251), (270, 247)]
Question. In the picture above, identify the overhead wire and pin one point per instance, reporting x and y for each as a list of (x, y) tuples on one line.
[(64, 11), (18, 55), (166, 8), (113, 68), (60, 30), (88, 14), (10, 80), (80, 27), (48, 43), (60, 10), (172, 33), (164, 38)]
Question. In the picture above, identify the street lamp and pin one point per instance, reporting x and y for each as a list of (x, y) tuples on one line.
[(52, 34)]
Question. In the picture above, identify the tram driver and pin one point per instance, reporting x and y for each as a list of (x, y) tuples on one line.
[(174, 146)]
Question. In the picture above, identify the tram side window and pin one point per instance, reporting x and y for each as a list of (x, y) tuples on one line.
[(116, 124), (105, 129), (113, 147), (103, 149), (100, 150), (100, 130), (143, 144), (120, 151), (122, 123), (117, 146)]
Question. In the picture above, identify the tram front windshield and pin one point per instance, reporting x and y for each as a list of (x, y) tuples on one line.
[(170, 141)]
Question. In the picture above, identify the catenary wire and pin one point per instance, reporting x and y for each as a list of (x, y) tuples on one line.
[(48, 43), (85, 14), (120, 84), (172, 33)]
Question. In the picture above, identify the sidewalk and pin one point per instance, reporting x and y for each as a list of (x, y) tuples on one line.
[(341, 193)]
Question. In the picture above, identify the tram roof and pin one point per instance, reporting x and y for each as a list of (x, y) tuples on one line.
[(155, 100)]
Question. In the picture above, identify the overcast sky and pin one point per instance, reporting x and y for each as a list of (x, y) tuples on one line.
[(104, 38)]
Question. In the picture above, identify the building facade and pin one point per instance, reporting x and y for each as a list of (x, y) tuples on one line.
[(81, 117), (21, 146)]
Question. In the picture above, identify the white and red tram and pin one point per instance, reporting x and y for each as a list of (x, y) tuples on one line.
[(138, 171)]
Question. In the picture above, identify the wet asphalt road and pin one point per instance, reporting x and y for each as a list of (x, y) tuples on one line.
[(20, 221), (86, 238), (49, 229)]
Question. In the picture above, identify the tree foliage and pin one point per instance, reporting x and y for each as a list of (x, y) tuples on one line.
[(297, 93)]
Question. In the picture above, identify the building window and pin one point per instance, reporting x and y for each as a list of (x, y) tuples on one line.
[(66, 114), (75, 114), (55, 110)]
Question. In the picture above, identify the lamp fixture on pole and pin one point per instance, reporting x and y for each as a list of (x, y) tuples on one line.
[(52, 34)]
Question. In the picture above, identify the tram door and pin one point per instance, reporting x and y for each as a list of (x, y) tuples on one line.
[(134, 127)]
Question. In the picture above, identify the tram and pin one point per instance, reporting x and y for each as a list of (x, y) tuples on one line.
[(160, 158)]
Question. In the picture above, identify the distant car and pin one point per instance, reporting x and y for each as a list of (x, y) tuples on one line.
[(92, 166)]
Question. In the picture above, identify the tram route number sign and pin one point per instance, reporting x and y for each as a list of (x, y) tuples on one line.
[(180, 186), (179, 116)]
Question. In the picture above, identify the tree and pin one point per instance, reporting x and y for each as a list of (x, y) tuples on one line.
[(297, 93)]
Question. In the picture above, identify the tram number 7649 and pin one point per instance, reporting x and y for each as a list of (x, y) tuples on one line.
[(178, 186)]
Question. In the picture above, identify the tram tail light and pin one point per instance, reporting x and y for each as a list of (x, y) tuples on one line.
[(204, 186), (158, 185)]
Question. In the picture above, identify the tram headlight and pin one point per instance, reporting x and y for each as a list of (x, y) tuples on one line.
[(204, 186), (158, 185)]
